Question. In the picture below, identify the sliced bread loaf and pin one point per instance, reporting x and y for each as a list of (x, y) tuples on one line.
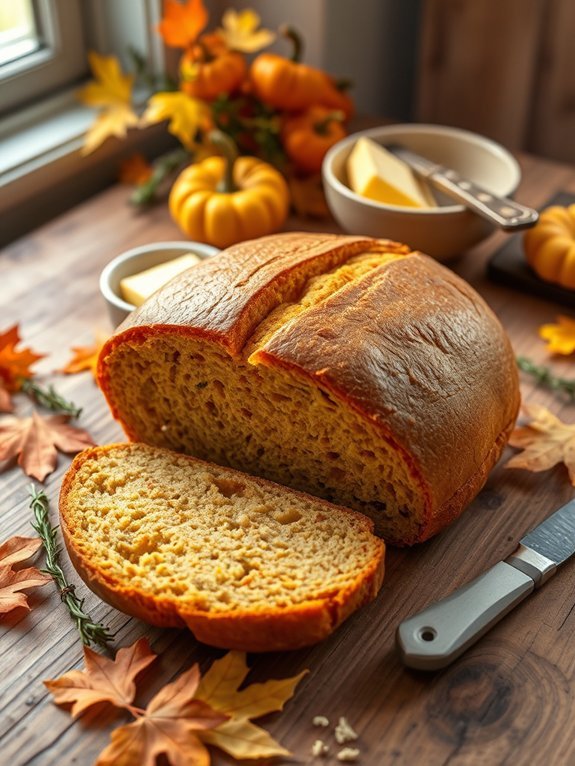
[(244, 563)]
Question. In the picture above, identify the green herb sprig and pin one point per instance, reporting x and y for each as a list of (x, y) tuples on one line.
[(49, 398), (90, 632), (544, 377)]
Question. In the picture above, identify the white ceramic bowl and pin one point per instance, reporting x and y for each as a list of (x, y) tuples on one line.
[(443, 232), (139, 259)]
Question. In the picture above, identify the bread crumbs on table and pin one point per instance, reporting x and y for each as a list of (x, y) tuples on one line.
[(348, 754), (319, 748), (320, 720), (344, 732)]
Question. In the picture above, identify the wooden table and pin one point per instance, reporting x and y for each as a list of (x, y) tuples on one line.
[(507, 700)]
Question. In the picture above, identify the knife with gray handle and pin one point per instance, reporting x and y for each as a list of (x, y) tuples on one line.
[(435, 637), (501, 211)]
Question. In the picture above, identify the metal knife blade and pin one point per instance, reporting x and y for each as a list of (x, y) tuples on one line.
[(435, 637), (501, 211)]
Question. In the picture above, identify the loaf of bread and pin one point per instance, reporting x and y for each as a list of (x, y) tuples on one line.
[(343, 366), (244, 563)]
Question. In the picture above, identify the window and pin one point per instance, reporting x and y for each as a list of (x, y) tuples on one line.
[(41, 49)]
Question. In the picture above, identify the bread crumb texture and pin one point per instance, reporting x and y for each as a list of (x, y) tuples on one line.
[(344, 732), (319, 748), (175, 530), (348, 755)]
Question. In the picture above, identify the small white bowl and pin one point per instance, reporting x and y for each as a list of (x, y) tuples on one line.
[(442, 232), (139, 259)]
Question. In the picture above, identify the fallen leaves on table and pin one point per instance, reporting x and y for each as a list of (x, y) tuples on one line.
[(13, 581), (85, 357), (545, 441), (111, 90), (239, 736), (135, 170), (560, 336), (307, 196), (35, 440), (186, 115), (14, 366), (240, 31), (103, 680), (184, 716), (182, 22)]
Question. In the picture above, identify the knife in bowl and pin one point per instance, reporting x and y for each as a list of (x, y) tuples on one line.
[(439, 634), (501, 211)]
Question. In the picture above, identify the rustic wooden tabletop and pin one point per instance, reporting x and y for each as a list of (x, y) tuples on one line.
[(507, 700)]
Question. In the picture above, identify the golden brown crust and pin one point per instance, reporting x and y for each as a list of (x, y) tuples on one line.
[(264, 630)]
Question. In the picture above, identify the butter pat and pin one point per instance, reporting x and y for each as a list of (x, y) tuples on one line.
[(377, 174), (136, 288)]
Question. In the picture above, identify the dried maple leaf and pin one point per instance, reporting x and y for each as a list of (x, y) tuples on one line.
[(135, 170), (186, 115), (103, 680), (170, 725), (112, 91), (13, 551), (545, 441), (14, 366), (85, 357), (182, 22), (560, 336), (35, 441), (239, 736), (240, 31)]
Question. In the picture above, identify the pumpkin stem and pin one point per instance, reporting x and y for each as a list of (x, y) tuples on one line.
[(230, 151), (295, 38), (321, 127)]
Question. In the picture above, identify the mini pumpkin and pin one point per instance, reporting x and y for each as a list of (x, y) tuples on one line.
[(224, 200), (209, 69), (306, 137), (550, 246)]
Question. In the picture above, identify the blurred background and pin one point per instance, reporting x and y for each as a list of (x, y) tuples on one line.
[(503, 68)]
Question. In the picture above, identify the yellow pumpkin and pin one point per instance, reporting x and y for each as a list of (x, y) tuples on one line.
[(224, 200), (550, 246)]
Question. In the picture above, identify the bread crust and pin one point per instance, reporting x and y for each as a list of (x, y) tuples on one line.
[(399, 354), (262, 630)]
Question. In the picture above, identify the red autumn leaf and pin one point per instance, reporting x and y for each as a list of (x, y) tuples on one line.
[(14, 366), (182, 22), (103, 680), (35, 441)]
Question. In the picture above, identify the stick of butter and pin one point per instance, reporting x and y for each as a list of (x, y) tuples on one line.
[(136, 288), (377, 174)]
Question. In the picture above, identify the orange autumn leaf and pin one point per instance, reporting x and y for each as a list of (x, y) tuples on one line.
[(545, 441), (238, 736), (12, 582), (560, 336), (182, 22), (35, 441), (103, 680), (135, 170), (14, 366), (85, 357)]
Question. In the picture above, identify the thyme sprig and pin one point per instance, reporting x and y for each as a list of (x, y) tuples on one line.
[(544, 377), (49, 398), (90, 632)]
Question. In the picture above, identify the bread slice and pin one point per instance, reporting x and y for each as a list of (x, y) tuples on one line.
[(243, 563), (347, 367)]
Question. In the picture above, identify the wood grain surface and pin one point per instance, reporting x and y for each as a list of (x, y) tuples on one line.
[(508, 700)]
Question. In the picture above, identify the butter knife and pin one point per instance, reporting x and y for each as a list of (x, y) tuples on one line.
[(435, 637), (501, 211)]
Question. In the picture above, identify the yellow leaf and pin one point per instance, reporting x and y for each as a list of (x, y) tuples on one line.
[(186, 114), (112, 122), (110, 87), (240, 31), (238, 736), (560, 336), (545, 441)]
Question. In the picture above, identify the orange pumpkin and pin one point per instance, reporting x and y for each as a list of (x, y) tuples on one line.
[(550, 246), (288, 85), (210, 68), (307, 137)]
